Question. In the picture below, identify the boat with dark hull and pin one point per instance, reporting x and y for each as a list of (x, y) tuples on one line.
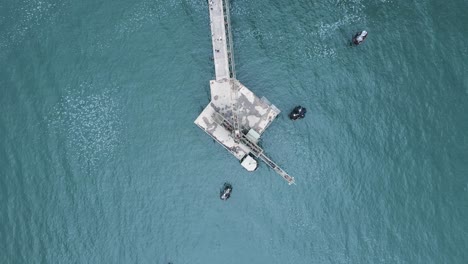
[(225, 192), (359, 38), (298, 113)]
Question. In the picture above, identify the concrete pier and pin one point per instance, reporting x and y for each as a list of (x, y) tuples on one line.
[(235, 116)]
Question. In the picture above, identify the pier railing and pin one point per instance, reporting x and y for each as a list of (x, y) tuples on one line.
[(230, 47), (256, 150)]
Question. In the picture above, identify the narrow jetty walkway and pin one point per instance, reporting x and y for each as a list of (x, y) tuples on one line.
[(235, 117), (219, 26)]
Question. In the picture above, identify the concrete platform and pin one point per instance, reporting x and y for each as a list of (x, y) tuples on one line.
[(206, 121), (234, 110), (252, 112)]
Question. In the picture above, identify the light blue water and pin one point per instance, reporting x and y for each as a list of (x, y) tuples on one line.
[(100, 161)]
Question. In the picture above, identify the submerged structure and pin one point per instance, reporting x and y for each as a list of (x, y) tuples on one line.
[(235, 116)]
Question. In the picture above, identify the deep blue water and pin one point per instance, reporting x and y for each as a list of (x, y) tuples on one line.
[(100, 161)]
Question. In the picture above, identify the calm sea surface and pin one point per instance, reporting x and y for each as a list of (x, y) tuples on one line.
[(100, 161)]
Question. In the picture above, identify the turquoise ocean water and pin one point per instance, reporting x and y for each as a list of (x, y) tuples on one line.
[(100, 161)]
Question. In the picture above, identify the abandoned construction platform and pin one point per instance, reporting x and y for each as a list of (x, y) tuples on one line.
[(235, 116)]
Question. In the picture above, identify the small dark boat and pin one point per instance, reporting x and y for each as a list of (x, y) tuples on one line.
[(298, 113), (359, 37), (225, 191)]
